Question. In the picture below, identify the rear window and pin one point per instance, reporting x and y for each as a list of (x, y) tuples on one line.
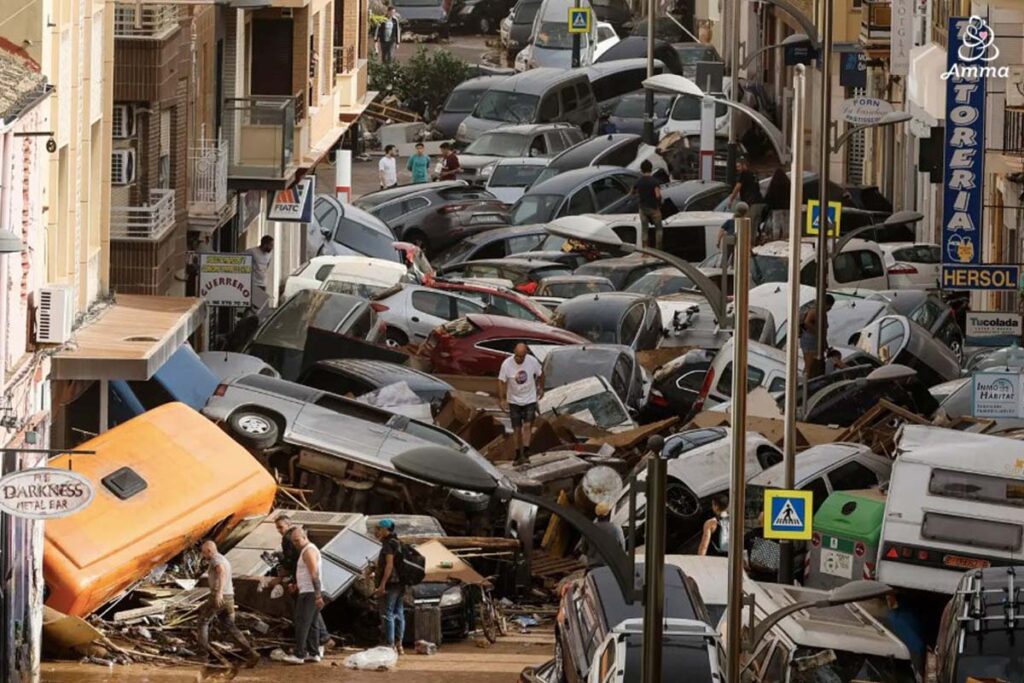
[(525, 12), (463, 101), (919, 253), (977, 487), (754, 379), (515, 175), (688, 109), (978, 533)]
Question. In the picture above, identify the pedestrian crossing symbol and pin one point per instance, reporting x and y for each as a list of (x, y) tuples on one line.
[(787, 514), (579, 20)]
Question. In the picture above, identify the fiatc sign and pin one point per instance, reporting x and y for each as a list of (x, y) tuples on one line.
[(970, 47), (44, 493)]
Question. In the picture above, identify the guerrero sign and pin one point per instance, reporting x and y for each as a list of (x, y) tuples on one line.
[(44, 493), (225, 279)]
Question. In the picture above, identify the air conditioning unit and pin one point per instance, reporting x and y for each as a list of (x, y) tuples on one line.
[(122, 167), (123, 123), (55, 314)]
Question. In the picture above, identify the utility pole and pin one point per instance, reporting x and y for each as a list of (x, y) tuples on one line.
[(823, 173), (652, 17), (733, 36), (793, 323), (738, 477), (654, 568)]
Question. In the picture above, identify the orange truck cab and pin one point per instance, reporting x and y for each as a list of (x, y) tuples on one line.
[(163, 481)]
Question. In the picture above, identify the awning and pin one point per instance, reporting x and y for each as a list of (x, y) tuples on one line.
[(925, 87), (130, 339)]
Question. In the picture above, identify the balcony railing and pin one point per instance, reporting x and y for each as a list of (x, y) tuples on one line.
[(344, 59), (1013, 131), (208, 178), (876, 23), (260, 130), (154, 23), (148, 223)]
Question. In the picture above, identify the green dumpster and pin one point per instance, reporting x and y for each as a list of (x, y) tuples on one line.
[(844, 547)]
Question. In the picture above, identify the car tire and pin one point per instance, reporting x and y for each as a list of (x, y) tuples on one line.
[(957, 347), (444, 33), (680, 501), (395, 338), (253, 428)]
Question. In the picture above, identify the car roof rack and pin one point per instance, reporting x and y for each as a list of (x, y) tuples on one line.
[(977, 607)]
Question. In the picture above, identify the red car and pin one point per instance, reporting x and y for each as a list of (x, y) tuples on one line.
[(478, 344), (496, 300)]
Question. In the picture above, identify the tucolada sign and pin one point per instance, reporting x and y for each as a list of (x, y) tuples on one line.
[(977, 49)]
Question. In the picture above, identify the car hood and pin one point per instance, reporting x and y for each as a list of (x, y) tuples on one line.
[(477, 161), (706, 470), (473, 128), (448, 122)]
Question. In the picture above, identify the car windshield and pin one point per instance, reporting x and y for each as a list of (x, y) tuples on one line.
[(567, 290), (688, 109), (635, 107), (526, 12), (692, 56), (545, 174), (309, 308), (554, 35), (515, 175), (462, 101), (365, 240), (455, 254), (765, 268), (360, 289), (604, 407), (660, 284), (510, 107), (534, 208), (498, 145)]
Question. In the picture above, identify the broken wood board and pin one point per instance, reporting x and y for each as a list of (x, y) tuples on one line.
[(807, 434), (65, 635), (652, 359), (635, 438)]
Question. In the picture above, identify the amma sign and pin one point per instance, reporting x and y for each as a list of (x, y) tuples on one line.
[(44, 493)]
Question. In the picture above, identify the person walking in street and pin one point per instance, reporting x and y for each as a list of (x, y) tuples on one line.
[(746, 188), (809, 336), (261, 258), (520, 387), (419, 165), (220, 606), (387, 36), (387, 169), (648, 192), (716, 530), (602, 520), (450, 166), (389, 585), (776, 200), (309, 601)]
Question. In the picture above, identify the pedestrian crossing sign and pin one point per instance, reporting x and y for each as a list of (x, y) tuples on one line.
[(835, 217), (787, 514), (579, 20)]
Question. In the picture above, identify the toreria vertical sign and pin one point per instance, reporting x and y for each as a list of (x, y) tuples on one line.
[(970, 52)]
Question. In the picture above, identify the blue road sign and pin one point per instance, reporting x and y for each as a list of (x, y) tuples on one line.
[(787, 514)]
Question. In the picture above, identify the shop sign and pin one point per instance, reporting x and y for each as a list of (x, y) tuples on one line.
[(864, 111), (993, 329), (294, 205), (225, 280), (996, 395), (44, 493)]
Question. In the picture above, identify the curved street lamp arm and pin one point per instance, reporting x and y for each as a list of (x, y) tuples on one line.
[(841, 140), (806, 24), (708, 288)]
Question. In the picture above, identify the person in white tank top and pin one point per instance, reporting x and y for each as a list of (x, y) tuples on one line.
[(308, 603), (220, 606)]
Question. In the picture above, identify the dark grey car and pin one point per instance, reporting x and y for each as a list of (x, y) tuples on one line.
[(897, 339), (686, 195), (425, 16), (617, 149), (521, 29), (461, 102), (616, 363), (357, 376), (613, 318), (585, 190), (496, 243), (622, 271)]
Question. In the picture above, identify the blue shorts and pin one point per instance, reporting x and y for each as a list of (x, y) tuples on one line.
[(808, 342)]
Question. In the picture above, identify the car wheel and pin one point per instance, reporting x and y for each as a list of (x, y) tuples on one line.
[(254, 429), (395, 338), (681, 501), (558, 675), (957, 346), (484, 25)]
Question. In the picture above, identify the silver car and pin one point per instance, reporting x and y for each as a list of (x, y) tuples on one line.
[(414, 311)]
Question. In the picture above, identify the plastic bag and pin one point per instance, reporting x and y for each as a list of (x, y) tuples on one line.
[(375, 659), (397, 394)]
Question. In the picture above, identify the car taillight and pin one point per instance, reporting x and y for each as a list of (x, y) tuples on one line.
[(527, 288), (902, 269), (657, 399), (859, 549), (816, 539), (220, 390), (451, 208), (379, 307)]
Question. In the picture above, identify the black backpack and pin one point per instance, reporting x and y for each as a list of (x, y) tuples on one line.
[(412, 566)]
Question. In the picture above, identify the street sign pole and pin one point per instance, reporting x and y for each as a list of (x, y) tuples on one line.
[(652, 17), (823, 172), (575, 44), (707, 138)]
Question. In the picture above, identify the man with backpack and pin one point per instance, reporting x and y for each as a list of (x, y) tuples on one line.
[(398, 566)]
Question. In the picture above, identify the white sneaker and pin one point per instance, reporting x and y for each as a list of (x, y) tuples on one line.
[(292, 659), (321, 651), (313, 658)]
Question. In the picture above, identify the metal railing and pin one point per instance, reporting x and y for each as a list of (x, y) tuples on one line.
[(300, 105), (155, 21), (260, 130), (149, 222), (1013, 131), (208, 177), (344, 59), (876, 23)]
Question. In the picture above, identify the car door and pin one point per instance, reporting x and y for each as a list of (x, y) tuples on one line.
[(861, 268), (432, 308), (332, 425), (580, 202), (555, 141), (607, 191), (409, 214), (538, 146)]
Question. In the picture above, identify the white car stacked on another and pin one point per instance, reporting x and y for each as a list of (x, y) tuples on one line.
[(357, 275)]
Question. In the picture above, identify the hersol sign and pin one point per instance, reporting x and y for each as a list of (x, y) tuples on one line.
[(44, 493)]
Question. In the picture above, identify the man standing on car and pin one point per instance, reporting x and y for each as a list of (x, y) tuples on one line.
[(648, 193), (389, 585), (389, 34), (220, 605), (450, 166), (309, 602), (520, 387)]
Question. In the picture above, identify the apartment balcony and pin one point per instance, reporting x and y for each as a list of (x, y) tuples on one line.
[(147, 223), (876, 24), (146, 22), (1013, 131), (208, 180), (350, 78), (260, 131)]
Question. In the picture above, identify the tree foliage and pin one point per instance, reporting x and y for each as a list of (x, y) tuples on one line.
[(423, 82)]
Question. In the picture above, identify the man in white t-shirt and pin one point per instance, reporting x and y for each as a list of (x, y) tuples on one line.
[(520, 386), (388, 168)]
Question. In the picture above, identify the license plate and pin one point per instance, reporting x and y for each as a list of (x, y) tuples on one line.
[(965, 562), (835, 563), (485, 218)]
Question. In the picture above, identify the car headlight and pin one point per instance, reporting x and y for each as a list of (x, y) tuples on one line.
[(461, 131), (487, 170), (451, 597)]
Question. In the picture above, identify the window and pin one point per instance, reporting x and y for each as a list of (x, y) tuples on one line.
[(708, 202), (980, 533), (482, 270), (510, 308), (580, 203), (754, 378), (390, 212), (517, 245), (820, 491), (569, 99), (538, 147), (778, 384), (777, 664), (857, 265), (927, 314), (691, 381), (464, 307), (323, 271), (584, 94), (335, 383), (890, 340), (362, 324), (414, 204), (851, 477), (500, 345), (978, 487), (620, 376), (326, 215), (918, 253), (556, 143), (608, 190), (548, 109), (621, 155), (432, 303)]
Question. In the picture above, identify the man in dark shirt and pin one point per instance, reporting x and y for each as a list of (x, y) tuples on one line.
[(389, 584), (746, 188), (450, 166), (648, 192)]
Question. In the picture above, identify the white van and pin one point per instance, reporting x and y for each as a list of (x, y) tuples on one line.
[(956, 502), (684, 117)]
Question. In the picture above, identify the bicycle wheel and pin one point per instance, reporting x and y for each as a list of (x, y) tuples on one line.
[(489, 618)]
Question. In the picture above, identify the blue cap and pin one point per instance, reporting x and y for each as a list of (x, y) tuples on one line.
[(386, 524)]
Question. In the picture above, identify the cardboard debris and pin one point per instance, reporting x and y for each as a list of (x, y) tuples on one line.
[(774, 430), (67, 636), (444, 566), (652, 359)]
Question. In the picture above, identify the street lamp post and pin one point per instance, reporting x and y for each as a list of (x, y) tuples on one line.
[(652, 14), (794, 39)]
